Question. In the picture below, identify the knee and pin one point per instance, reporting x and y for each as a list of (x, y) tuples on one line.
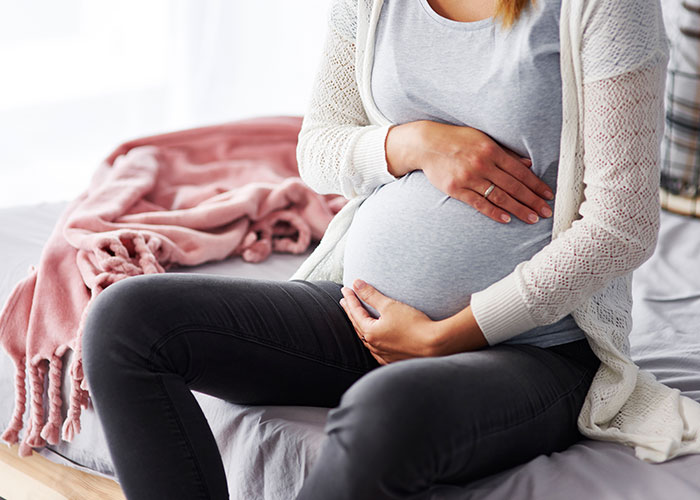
[(383, 418), (111, 323)]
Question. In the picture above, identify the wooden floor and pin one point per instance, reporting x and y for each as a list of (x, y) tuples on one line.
[(38, 478)]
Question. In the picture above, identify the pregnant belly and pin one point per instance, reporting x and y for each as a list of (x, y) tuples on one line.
[(421, 247)]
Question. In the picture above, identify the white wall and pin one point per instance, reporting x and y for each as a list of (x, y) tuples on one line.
[(77, 78)]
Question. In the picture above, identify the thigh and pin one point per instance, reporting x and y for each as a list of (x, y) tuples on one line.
[(457, 418), (249, 341), (528, 405)]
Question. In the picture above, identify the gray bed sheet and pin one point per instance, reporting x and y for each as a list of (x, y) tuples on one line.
[(268, 450)]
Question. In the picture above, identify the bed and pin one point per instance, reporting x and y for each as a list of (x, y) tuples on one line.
[(268, 450)]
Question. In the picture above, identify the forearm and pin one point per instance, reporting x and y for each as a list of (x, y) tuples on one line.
[(459, 333), (403, 147), (619, 217)]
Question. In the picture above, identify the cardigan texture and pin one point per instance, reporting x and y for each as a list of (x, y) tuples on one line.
[(613, 62)]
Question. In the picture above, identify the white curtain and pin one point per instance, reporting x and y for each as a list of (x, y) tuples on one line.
[(78, 77)]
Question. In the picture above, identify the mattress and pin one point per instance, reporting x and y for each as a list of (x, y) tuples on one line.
[(268, 450)]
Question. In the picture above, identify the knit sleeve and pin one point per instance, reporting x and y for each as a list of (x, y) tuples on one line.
[(619, 215), (339, 151)]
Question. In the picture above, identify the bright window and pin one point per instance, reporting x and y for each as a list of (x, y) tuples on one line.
[(81, 77)]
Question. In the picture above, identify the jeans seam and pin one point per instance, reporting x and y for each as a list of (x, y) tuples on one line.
[(241, 335), (188, 443)]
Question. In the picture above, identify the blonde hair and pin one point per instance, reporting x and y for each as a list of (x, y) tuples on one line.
[(509, 10)]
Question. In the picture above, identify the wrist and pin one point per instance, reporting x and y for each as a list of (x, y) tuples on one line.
[(458, 333), (402, 147)]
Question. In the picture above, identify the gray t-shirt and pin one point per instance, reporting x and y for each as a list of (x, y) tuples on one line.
[(412, 241)]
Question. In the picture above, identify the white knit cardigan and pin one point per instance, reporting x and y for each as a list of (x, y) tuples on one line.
[(606, 218)]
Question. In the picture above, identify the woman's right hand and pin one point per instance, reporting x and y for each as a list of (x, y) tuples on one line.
[(463, 162)]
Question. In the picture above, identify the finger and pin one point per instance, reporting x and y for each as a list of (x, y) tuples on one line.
[(378, 352), (525, 175), (379, 359), (520, 200), (371, 295), (354, 303), (375, 350), (503, 200), (483, 205), (360, 314), (525, 161), (349, 313)]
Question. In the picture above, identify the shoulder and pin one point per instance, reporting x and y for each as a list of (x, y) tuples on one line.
[(620, 36), (351, 18), (342, 17)]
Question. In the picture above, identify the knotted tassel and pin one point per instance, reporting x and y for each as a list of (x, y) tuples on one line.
[(11, 434), (77, 364), (257, 252), (145, 252), (50, 432), (71, 426), (37, 370), (24, 449), (84, 397)]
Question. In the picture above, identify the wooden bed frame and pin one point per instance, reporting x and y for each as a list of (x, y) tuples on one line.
[(38, 478)]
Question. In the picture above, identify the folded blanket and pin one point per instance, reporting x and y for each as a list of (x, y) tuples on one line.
[(182, 198)]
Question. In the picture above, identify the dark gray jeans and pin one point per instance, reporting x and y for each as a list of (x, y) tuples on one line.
[(393, 430)]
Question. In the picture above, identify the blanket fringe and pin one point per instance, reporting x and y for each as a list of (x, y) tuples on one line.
[(146, 253), (50, 430), (71, 426), (24, 449), (38, 432), (11, 434), (37, 372), (78, 394)]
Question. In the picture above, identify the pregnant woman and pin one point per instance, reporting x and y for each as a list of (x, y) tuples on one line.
[(468, 309)]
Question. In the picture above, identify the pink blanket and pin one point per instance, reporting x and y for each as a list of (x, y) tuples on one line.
[(182, 198)]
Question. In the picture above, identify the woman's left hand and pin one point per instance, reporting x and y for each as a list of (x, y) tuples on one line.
[(401, 331)]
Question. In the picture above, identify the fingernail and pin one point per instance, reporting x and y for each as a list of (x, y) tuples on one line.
[(359, 284), (505, 218), (533, 218), (547, 212), (342, 302), (549, 195)]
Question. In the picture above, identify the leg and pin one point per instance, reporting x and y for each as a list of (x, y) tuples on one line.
[(414, 423), (149, 340)]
